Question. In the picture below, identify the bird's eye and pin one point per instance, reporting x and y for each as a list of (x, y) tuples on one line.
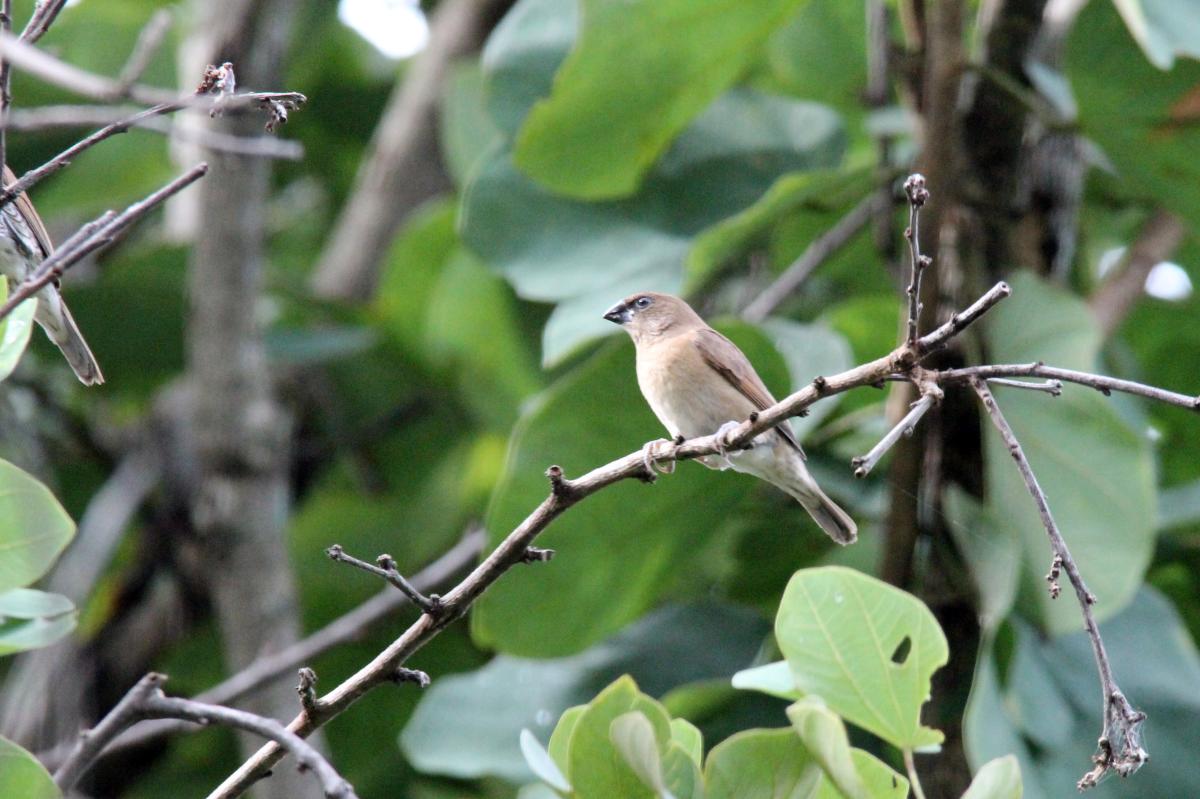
[(642, 302)]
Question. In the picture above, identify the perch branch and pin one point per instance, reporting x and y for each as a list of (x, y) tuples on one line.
[(146, 700), (1120, 748), (94, 235), (1105, 385), (564, 493), (44, 14)]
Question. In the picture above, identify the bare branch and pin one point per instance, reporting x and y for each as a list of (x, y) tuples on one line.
[(918, 195), (386, 569), (865, 463), (938, 338), (1120, 741), (1051, 387), (821, 249), (5, 80), (44, 14), (148, 42), (347, 627), (1105, 385), (94, 235), (146, 700)]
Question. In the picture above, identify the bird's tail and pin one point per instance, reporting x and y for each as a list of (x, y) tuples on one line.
[(836, 523), (65, 334)]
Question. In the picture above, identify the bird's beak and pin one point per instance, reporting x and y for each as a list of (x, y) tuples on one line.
[(618, 314)]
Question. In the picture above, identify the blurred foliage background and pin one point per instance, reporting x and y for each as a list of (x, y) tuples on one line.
[(586, 149)]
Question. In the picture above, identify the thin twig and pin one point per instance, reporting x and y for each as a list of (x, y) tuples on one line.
[(911, 767), (349, 626), (821, 249), (918, 195), (1105, 385), (146, 700), (148, 42), (96, 234), (386, 569), (1121, 720), (955, 325), (865, 463), (71, 116), (1051, 387), (44, 14), (5, 80), (67, 76)]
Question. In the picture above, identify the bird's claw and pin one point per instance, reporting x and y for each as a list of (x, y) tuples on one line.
[(724, 435), (660, 449)]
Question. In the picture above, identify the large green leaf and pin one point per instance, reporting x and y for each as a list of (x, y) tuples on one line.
[(617, 549), (761, 764), (467, 725), (522, 54), (596, 768), (1047, 709), (32, 619), (584, 256), (865, 647), (1097, 471), (14, 331), (21, 775), (1152, 147), (638, 75), (34, 528)]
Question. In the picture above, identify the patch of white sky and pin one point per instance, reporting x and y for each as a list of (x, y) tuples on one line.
[(396, 28)]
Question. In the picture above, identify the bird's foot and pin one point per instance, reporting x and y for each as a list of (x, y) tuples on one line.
[(724, 439), (660, 449)]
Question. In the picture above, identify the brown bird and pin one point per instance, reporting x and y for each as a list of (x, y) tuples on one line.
[(24, 244), (699, 383)]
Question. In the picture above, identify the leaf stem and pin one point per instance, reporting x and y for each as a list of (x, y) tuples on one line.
[(911, 767)]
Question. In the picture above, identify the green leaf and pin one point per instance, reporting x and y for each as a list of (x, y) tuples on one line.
[(991, 549), (1097, 471), (523, 53), (638, 75), (595, 766), (1163, 28), (843, 635), (21, 775), (761, 764), (1179, 505), (467, 725), (32, 619), (774, 679), (467, 132), (34, 528), (681, 772), (1151, 149), (633, 736), (541, 764), (684, 733), (824, 736), (998, 779), (14, 331), (618, 548), (879, 780)]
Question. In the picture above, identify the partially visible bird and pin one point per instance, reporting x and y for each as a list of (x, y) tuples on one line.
[(698, 383), (24, 244)]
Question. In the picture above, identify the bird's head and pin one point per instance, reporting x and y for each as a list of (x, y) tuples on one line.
[(650, 314)]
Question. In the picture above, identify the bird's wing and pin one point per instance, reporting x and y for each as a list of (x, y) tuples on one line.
[(732, 364), (30, 215)]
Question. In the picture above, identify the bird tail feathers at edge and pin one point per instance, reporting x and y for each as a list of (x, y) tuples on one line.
[(76, 351), (836, 523)]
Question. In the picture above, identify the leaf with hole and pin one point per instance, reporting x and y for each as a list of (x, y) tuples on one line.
[(843, 634)]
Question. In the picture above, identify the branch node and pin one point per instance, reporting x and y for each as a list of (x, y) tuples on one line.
[(307, 689), (1052, 577), (416, 676), (386, 568), (819, 384), (536, 555), (560, 486)]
